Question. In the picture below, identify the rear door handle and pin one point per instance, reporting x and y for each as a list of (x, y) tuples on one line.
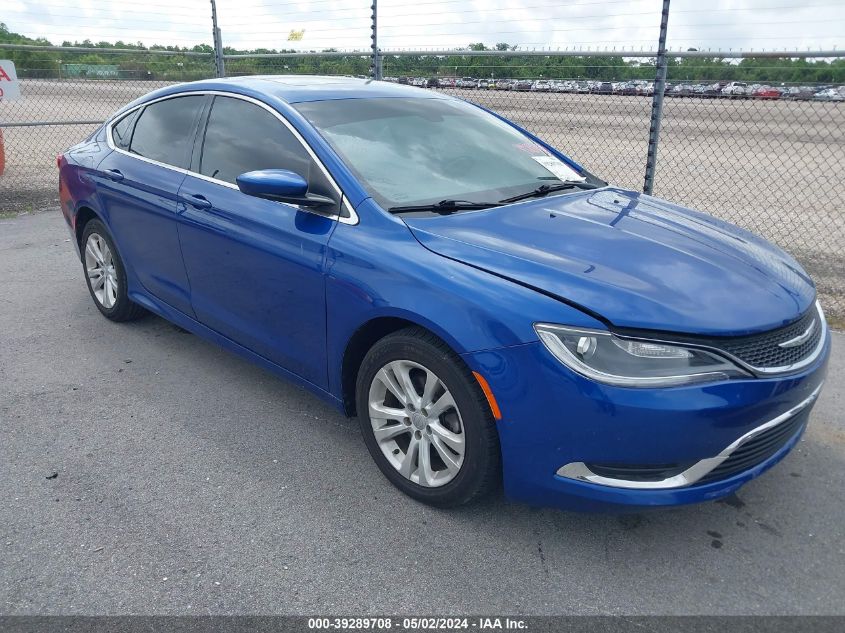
[(196, 200), (114, 174)]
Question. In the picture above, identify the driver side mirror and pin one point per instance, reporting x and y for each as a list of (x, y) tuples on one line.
[(281, 185)]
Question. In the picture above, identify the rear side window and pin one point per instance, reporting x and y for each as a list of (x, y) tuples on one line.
[(121, 132), (243, 137), (165, 130)]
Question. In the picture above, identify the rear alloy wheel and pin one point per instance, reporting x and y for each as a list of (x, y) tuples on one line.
[(426, 421), (99, 266), (105, 274)]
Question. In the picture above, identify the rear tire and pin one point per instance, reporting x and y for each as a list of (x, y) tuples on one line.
[(425, 420), (105, 274)]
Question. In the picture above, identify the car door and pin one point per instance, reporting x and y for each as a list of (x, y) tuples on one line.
[(256, 266), (138, 183)]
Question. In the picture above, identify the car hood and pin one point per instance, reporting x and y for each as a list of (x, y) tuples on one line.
[(631, 259)]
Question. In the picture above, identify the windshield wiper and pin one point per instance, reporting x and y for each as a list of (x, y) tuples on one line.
[(544, 190), (445, 207)]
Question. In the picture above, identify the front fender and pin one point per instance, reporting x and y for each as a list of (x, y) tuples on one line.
[(378, 269)]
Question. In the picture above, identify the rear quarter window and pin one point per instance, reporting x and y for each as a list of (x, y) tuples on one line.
[(121, 131), (165, 130)]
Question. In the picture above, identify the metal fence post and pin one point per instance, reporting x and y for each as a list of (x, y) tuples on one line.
[(375, 67), (218, 42), (657, 103)]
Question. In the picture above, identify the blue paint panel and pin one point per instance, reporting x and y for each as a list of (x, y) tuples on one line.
[(140, 211), (638, 261), (552, 417), (378, 270), (256, 274)]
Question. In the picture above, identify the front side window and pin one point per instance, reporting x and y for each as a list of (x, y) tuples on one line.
[(421, 151), (165, 130), (242, 137)]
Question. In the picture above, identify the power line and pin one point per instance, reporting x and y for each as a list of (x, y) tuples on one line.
[(569, 6), (592, 28)]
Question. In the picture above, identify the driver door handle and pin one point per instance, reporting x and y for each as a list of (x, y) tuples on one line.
[(196, 200), (114, 174)]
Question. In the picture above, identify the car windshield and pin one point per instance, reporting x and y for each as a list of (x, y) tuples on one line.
[(421, 151)]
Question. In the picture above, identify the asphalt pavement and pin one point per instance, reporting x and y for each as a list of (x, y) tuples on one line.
[(143, 470)]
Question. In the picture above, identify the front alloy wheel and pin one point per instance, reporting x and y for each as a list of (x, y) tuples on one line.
[(416, 423), (426, 421)]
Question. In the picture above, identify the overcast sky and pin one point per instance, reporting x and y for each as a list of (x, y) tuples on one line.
[(344, 24)]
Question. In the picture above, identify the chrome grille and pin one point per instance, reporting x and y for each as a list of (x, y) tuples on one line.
[(766, 351)]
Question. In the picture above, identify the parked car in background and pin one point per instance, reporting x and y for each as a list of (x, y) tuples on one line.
[(503, 84), (799, 93), (541, 85), (645, 88), (735, 89), (681, 90), (766, 92), (466, 82), (523, 85), (627, 88), (829, 94), (526, 323), (713, 90), (603, 88)]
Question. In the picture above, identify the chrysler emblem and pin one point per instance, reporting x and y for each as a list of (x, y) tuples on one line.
[(801, 338)]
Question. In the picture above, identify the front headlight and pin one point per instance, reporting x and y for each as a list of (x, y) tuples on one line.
[(607, 358)]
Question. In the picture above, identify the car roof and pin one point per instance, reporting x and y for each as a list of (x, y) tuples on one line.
[(300, 88)]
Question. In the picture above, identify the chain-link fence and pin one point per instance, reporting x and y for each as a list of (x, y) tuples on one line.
[(766, 157), (769, 165), (66, 94)]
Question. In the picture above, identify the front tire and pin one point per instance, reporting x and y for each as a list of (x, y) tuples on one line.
[(426, 421), (105, 274)]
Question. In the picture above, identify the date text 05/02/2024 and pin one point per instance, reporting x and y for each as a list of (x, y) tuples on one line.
[(417, 623)]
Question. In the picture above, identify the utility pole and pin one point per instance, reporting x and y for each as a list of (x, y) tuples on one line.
[(375, 66), (657, 103), (218, 42)]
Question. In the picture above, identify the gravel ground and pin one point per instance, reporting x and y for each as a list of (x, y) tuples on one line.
[(143, 470)]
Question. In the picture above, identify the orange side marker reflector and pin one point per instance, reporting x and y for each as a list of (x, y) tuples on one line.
[(491, 399)]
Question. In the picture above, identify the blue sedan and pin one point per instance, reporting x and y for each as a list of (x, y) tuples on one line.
[(492, 312)]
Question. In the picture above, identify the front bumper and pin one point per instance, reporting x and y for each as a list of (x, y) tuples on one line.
[(556, 423)]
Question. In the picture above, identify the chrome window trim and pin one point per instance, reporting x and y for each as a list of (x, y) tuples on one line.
[(352, 217), (581, 472)]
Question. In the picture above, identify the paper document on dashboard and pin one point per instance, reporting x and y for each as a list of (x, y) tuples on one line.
[(558, 168)]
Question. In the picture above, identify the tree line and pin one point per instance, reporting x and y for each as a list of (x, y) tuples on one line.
[(177, 66)]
